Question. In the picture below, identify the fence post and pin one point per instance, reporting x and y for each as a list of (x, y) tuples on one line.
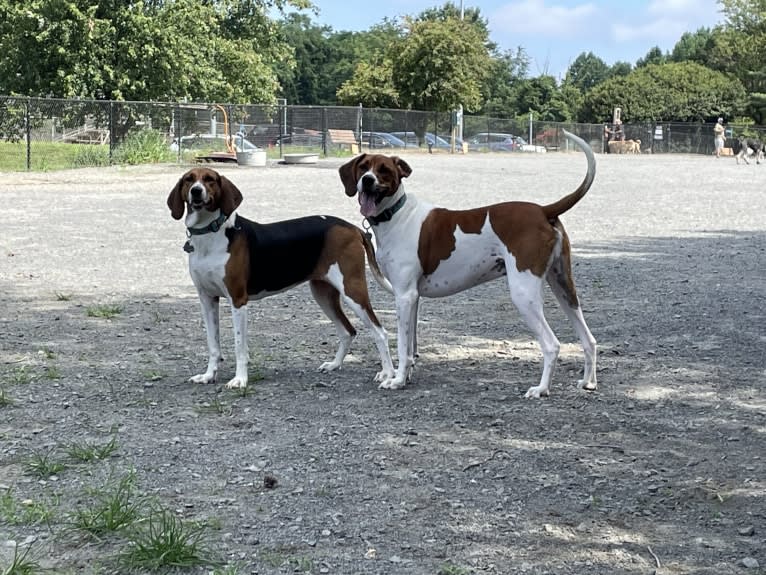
[(324, 131), (28, 131), (112, 139)]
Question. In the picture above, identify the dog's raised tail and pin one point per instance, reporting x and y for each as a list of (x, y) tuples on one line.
[(555, 209), (377, 274)]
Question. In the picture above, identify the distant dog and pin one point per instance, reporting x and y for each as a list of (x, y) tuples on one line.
[(634, 147), (236, 258), (746, 146)]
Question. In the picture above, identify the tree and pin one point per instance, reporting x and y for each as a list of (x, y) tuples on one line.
[(507, 71), (439, 65), (684, 92), (693, 47), (143, 50), (653, 56), (587, 71), (372, 86)]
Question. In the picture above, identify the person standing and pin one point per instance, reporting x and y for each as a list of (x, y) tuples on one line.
[(720, 137)]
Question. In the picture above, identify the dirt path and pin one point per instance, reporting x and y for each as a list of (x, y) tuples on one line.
[(662, 469)]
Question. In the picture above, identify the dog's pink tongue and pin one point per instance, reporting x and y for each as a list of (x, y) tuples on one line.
[(367, 205)]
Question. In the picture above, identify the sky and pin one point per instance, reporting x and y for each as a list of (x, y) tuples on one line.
[(552, 32)]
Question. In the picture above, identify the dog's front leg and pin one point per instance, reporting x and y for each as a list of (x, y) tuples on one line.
[(239, 319), (406, 315), (209, 306)]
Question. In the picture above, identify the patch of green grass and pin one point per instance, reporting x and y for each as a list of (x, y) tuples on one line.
[(216, 406), (153, 375), (116, 506), (27, 512), (5, 399), (228, 570), (43, 464), (91, 155), (104, 311), (144, 147), (22, 563), (165, 540), (87, 451), (452, 569), (52, 372), (20, 375)]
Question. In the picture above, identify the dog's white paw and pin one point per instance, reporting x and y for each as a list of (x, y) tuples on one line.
[(329, 366), (237, 383), (393, 383), (206, 377), (536, 392), (383, 375), (587, 385)]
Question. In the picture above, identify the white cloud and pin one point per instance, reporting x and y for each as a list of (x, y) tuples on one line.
[(535, 17)]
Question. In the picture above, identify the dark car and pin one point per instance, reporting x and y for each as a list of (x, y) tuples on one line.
[(429, 139), (377, 140)]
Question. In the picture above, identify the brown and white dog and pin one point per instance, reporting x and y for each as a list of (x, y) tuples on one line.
[(235, 258), (428, 251)]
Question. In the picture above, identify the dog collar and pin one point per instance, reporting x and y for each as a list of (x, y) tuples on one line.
[(212, 227), (388, 213)]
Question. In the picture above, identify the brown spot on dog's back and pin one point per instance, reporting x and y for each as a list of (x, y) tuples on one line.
[(437, 234), (526, 233), (238, 270)]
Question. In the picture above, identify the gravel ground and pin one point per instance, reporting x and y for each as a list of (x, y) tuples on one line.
[(662, 470)]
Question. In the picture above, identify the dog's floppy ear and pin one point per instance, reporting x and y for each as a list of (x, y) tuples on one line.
[(404, 167), (176, 201), (231, 197), (348, 175)]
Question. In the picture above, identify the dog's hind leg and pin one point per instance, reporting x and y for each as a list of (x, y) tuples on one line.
[(560, 279), (328, 298), (527, 295), (349, 279)]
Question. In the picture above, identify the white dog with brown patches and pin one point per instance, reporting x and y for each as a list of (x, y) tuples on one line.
[(428, 251)]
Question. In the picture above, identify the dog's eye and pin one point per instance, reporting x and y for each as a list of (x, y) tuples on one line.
[(209, 178), (384, 170), (188, 178)]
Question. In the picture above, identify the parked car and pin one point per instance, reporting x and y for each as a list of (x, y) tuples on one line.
[(502, 142), (377, 140), (430, 139)]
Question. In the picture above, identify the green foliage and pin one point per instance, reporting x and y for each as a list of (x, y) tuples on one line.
[(165, 540), (43, 465), (22, 563), (683, 91), (105, 311), (508, 70), (114, 507), (439, 65), (144, 50), (372, 86), (91, 156), (144, 147), (586, 71)]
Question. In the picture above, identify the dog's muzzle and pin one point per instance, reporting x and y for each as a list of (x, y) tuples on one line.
[(197, 196)]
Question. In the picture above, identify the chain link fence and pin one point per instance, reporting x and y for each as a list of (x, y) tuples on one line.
[(44, 134)]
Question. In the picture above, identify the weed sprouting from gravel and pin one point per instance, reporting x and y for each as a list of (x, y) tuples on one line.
[(87, 452), (43, 464), (5, 399), (165, 540), (117, 505), (104, 311), (22, 563), (27, 512)]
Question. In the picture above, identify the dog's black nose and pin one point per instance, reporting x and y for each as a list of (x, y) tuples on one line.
[(368, 181), (196, 191)]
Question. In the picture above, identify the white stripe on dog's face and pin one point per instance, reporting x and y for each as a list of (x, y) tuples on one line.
[(198, 196)]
